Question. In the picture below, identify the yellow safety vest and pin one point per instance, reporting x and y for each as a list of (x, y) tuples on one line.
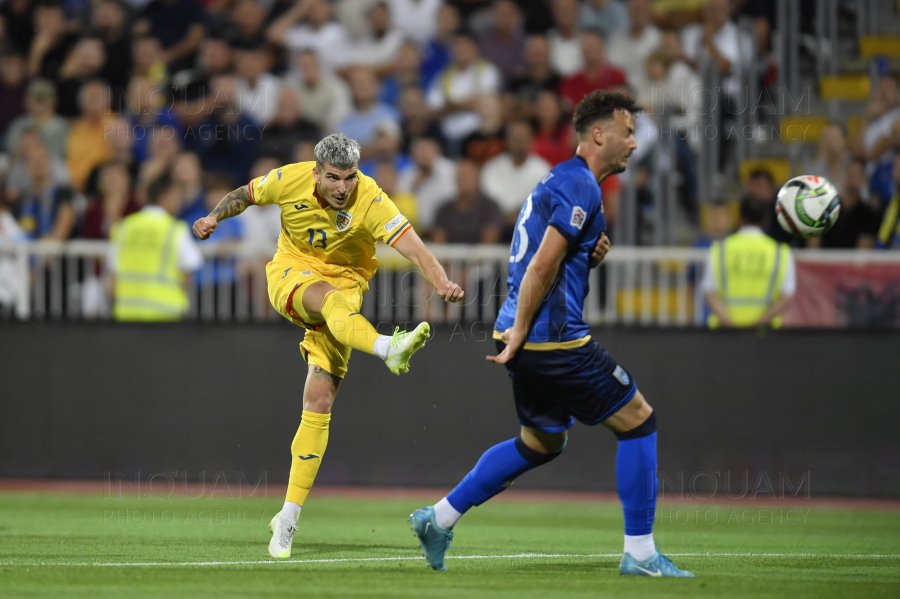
[(748, 269), (149, 284)]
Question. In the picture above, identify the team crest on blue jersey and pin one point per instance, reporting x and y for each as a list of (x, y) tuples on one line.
[(578, 216), (621, 376), (342, 220)]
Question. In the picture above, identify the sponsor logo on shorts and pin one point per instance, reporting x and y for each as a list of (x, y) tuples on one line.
[(622, 376), (393, 223), (342, 220), (578, 216)]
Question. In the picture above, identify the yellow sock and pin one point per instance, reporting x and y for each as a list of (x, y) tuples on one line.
[(346, 324), (306, 454)]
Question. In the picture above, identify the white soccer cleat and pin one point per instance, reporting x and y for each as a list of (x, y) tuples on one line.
[(403, 345), (282, 537)]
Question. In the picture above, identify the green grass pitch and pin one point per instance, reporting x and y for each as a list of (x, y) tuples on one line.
[(518, 549)]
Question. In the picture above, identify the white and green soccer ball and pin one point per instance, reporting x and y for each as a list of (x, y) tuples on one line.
[(807, 206)]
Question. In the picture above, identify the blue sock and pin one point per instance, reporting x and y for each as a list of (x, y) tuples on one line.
[(497, 468), (636, 477)]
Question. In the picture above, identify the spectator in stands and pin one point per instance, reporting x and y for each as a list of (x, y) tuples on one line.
[(152, 240), (432, 180), (11, 278), (249, 19), (720, 39), (325, 99), (405, 71), (874, 142), (187, 176), (889, 232), (454, 93), (18, 180), (386, 148), (147, 120), (368, 111), (555, 139), (833, 158), (717, 225), (109, 24), (84, 63), (597, 73), (114, 201), (40, 100), (416, 18), (89, 145), (163, 150), (227, 140), (51, 42), (120, 137), (504, 43), (354, 16), (18, 23), (308, 26), (178, 25), (12, 87), (509, 178), (761, 188), (538, 76), (470, 217), (746, 297), (565, 40), (214, 58), (416, 120), (148, 60), (437, 52), (489, 140), (606, 16), (386, 175), (629, 48), (288, 126), (257, 89), (46, 210), (857, 223), (262, 225), (379, 48)]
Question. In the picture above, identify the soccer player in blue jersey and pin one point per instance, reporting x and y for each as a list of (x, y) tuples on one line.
[(558, 373)]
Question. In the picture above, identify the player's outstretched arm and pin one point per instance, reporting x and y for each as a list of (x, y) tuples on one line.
[(412, 248), (539, 276), (232, 204)]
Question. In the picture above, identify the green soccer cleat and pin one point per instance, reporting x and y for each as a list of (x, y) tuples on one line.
[(657, 566), (434, 540), (403, 345)]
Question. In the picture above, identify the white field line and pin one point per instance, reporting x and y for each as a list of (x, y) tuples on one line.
[(406, 558)]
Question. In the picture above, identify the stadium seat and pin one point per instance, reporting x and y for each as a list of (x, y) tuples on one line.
[(780, 168), (845, 87), (803, 129), (636, 297), (875, 45)]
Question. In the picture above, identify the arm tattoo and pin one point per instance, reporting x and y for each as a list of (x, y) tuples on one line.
[(324, 375), (232, 204)]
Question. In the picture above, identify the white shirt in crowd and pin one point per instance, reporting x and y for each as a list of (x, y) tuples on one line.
[(788, 284), (433, 192), (326, 104), (371, 52), (259, 101), (508, 184), (417, 18), (565, 54), (630, 53), (262, 225), (329, 42), (733, 45), (189, 256), (481, 77), (11, 277)]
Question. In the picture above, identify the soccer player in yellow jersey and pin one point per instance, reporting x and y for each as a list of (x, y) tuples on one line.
[(331, 217)]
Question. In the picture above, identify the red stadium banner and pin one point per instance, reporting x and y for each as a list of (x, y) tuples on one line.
[(831, 294)]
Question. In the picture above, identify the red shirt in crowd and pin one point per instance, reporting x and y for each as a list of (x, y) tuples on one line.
[(573, 88)]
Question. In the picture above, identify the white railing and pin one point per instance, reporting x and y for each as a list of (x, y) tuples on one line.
[(648, 286)]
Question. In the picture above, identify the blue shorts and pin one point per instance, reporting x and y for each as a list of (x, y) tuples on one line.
[(554, 388)]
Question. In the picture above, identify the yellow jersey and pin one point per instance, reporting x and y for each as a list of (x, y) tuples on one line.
[(328, 239)]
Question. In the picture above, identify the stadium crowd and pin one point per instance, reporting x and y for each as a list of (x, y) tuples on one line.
[(461, 106)]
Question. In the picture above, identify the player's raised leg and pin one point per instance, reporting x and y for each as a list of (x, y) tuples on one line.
[(498, 467), (324, 302), (636, 481), (307, 451)]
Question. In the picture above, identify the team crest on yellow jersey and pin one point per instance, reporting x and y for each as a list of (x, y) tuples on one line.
[(342, 220)]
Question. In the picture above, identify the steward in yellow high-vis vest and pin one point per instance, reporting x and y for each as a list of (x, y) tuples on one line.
[(153, 249), (750, 278)]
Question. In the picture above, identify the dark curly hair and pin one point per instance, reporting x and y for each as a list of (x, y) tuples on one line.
[(600, 105)]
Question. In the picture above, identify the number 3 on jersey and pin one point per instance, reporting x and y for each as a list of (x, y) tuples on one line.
[(312, 235), (520, 239)]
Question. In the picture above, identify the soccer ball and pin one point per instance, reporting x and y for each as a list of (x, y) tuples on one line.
[(807, 206)]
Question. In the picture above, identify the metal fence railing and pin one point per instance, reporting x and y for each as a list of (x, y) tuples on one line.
[(648, 286)]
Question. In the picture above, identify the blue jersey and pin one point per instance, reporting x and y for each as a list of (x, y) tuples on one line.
[(569, 200)]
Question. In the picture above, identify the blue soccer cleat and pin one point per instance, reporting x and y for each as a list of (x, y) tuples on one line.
[(658, 565), (434, 540)]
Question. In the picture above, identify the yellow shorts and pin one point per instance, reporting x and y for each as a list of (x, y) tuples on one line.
[(288, 277)]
